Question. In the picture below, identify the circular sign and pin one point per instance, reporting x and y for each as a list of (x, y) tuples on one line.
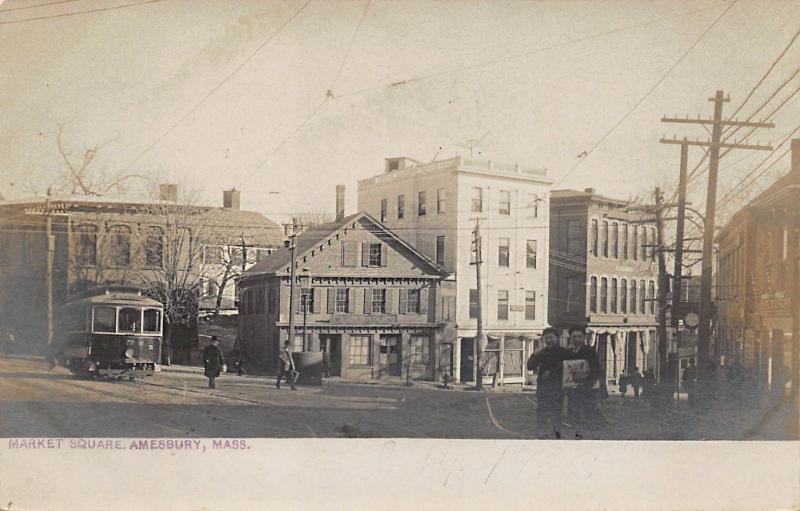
[(691, 319)]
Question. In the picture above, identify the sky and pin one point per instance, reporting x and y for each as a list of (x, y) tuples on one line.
[(220, 94)]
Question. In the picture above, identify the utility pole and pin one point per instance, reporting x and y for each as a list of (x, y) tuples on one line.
[(478, 342), (292, 283), (677, 273), (663, 286), (714, 145), (51, 248)]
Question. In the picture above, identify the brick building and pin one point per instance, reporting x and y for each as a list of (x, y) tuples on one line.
[(434, 207), (757, 280), (376, 305), (604, 276)]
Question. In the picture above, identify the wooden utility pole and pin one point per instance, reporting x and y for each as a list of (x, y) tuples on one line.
[(478, 342), (714, 145), (51, 248), (677, 273), (663, 286), (292, 239)]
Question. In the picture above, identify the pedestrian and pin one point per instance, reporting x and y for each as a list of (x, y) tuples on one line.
[(8, 344), (688, 378), (213, 361), (623, 383), (636, 381), (326, 364), (286, 367), (549, 364), (648, 384), (238, 352), (581, 401)]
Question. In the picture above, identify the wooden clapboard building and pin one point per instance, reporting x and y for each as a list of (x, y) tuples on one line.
[(373, 303)]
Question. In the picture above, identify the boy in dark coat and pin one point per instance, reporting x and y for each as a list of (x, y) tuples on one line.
[(582, 404), (286, 367), (549, 392), (213, 361)]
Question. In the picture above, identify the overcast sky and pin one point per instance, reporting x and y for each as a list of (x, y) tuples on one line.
[(134, 72)]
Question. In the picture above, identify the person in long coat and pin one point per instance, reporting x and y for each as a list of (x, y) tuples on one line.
[(213, 361), (548, 362), (582, 402)]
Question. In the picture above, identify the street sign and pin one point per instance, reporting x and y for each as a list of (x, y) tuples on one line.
[(691, 319), (517, 308)]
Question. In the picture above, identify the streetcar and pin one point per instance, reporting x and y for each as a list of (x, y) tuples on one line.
[(111, 331)]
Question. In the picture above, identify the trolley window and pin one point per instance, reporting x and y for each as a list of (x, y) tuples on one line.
[(105, 319), (152, 320), (130, 320)]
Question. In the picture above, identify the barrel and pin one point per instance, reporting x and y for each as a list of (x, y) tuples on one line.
[(309, 364)]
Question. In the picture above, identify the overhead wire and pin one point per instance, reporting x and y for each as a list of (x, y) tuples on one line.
[(37, 5), (76, 13)]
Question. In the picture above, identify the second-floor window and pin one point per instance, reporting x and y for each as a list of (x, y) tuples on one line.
[(624, 241), (593, 295), (440, 250), (642, 298), (422, 204), (502, 304), (375, 256), (154, 247), (604, 295), (378, 301), (533, 204), (614, 292), (342, 300), (530, 254), (643, 252), (86, 253), (651, 295), (119, 246), (604, 235), (623, 301), (530, 305), (635, 243), (473, 303), (307, 300), (654, 241), (384, 209), (441, 200), (412, 301), (401, 207), (477, 200), (505, 202), (634, 300), (503, 248)]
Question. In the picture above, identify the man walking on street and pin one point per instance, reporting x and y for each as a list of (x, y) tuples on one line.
[(213, 361), (636, 381), (549, 392), (688, 380), (581, 401), (286, 367)]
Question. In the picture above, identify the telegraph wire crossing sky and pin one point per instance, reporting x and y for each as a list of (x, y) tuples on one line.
[(299, 96)]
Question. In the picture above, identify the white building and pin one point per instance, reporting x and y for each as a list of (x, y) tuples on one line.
[(435, 207)]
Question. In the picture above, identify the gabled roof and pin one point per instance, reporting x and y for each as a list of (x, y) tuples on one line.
[(306, 241)]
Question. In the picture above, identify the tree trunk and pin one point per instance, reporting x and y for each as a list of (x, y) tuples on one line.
[(221, 290), (166, 356)]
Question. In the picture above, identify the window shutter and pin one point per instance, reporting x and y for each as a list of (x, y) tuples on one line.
[(384, 254), (351, 300), (364, 254), (344, 251), (367, 300), (391, 301), (423, 301), (317, 299), (331, 300), (403, 301)]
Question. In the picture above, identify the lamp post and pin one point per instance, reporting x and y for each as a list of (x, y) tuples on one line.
[(305, 286)]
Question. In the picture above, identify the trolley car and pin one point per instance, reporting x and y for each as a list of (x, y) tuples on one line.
[(111, 332)]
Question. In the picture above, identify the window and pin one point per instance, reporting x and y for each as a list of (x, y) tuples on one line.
[(634, 301), (440, 250), (505, 202), (593, 295), (375, 253), (573, 297), (422, 204), (412, 301), (441, 200), (359, 350), (615, 240), (212, 288), (306, 300), (105, 319), (604, 295), (530, 254), (575, 243), (477, 200), (152, 320), (624, 241), (419, 349), (154, 247), (594, 234), (297, 345), (530, 304), (378, 301), (503, 245), (86, 253), (349, 249), (604, 234), (120, 246), (533, 204), (214, 254), (623, 299), (473, 303), (643, 253), (130, 320), (635, 243), (614, 292), (401, 207), (651, 295), (653, 240), (342, 299), (502, 304), (384, 209), (641, 297)]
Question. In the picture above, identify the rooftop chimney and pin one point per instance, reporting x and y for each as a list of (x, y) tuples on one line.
[(168, 192), (795, 155), (339, 202), (589, 190), (230, 199)]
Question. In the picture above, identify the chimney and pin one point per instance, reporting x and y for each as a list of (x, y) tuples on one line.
[(339, 202), (230, 199), (795, 155), (589, 190), (168, 192)]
